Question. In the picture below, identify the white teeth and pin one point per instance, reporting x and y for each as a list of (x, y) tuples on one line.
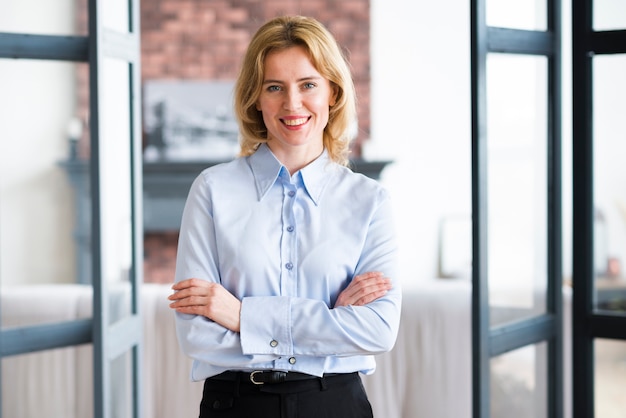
[(294, 122)]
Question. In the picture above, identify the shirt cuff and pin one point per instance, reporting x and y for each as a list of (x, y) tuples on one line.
[(266, 325)]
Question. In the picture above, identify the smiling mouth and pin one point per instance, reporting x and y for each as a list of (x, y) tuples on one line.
[(295, 122)]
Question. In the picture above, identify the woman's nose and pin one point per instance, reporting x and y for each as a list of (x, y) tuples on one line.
[(293, 100)]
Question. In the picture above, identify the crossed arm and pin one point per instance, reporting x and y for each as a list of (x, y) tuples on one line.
[(212, 300)]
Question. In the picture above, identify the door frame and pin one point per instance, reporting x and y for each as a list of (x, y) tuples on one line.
[(587, 323), (109, 340), (489, 342)]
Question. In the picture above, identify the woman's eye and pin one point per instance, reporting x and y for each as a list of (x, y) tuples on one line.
[(309, 85), (273, 88)]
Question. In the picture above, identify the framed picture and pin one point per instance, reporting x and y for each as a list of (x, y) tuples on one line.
[(189, 121)]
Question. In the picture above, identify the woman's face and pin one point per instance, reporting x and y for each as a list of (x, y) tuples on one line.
[(294, 101)]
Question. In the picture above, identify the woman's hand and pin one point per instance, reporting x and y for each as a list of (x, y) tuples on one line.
[(212, 300), (363, 289)]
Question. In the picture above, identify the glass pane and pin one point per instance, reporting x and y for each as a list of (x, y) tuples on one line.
[(57, 381), (519, 383), (43, 17), (41, 224), (518, 14), (610, 378), (115, 15), (609, 149), (517, 185), (115, 181), (121, 386), (609, 14)]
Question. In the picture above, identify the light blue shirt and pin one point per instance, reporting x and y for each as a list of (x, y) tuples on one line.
[(286, 246)]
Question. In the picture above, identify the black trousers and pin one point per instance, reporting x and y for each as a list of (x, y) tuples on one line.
[(337, 396)]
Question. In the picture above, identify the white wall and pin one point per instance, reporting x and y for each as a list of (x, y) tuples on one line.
[(420, 107), (36, 102)]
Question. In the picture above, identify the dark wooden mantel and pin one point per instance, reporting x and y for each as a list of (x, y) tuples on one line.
[(166, 184), (165, 188)]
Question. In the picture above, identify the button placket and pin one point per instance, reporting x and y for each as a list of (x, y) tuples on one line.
[(288, 255), (288, 240)]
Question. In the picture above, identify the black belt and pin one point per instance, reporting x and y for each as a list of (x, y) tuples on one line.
[(270, 377)]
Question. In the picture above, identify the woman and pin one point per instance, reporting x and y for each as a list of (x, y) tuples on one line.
[(283, 291)]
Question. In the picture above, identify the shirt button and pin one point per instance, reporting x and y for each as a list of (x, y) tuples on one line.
[(273, 343), (290, 228), (291, 193), (289, 266), (292, 360)]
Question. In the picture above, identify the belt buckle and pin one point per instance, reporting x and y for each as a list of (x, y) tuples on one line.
[(252, 377)]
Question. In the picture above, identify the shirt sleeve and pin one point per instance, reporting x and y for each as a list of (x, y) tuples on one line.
[(199, 337), (307, 327)]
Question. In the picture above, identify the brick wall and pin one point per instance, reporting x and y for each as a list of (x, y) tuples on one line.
[(160, 256), (206, 40)]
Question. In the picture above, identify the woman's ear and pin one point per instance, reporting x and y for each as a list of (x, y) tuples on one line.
[(258, 106), (333, 97)]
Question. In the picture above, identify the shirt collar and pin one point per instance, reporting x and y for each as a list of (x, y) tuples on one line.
[(316, 175), (266, 169)]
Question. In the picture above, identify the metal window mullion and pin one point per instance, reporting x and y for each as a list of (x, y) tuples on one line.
[(608, 326), (114, 340), (44, 47), (123, 46), (608, 42), (122, 337), (101, 375), (29, 339), (480, 290), (555, 392), (509, 337), (582, 213), (517, 41), (137, 203)]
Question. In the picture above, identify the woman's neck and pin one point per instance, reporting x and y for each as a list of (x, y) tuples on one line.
[(297, 158)]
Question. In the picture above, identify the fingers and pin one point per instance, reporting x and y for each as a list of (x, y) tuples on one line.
[(368, 279), (370, 293), (190, 286), (193, 282), (363, 289), (183, 301), (191, 299), (191, 292), (368, 283), (208, 299)]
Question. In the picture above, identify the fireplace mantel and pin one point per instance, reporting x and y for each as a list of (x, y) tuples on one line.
[(165, 188), (166, 184)]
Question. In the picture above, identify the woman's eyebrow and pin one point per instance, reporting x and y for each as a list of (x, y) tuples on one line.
[(307, 78), (270, 81)]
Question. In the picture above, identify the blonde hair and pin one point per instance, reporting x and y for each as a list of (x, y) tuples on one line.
[(327, 58)]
